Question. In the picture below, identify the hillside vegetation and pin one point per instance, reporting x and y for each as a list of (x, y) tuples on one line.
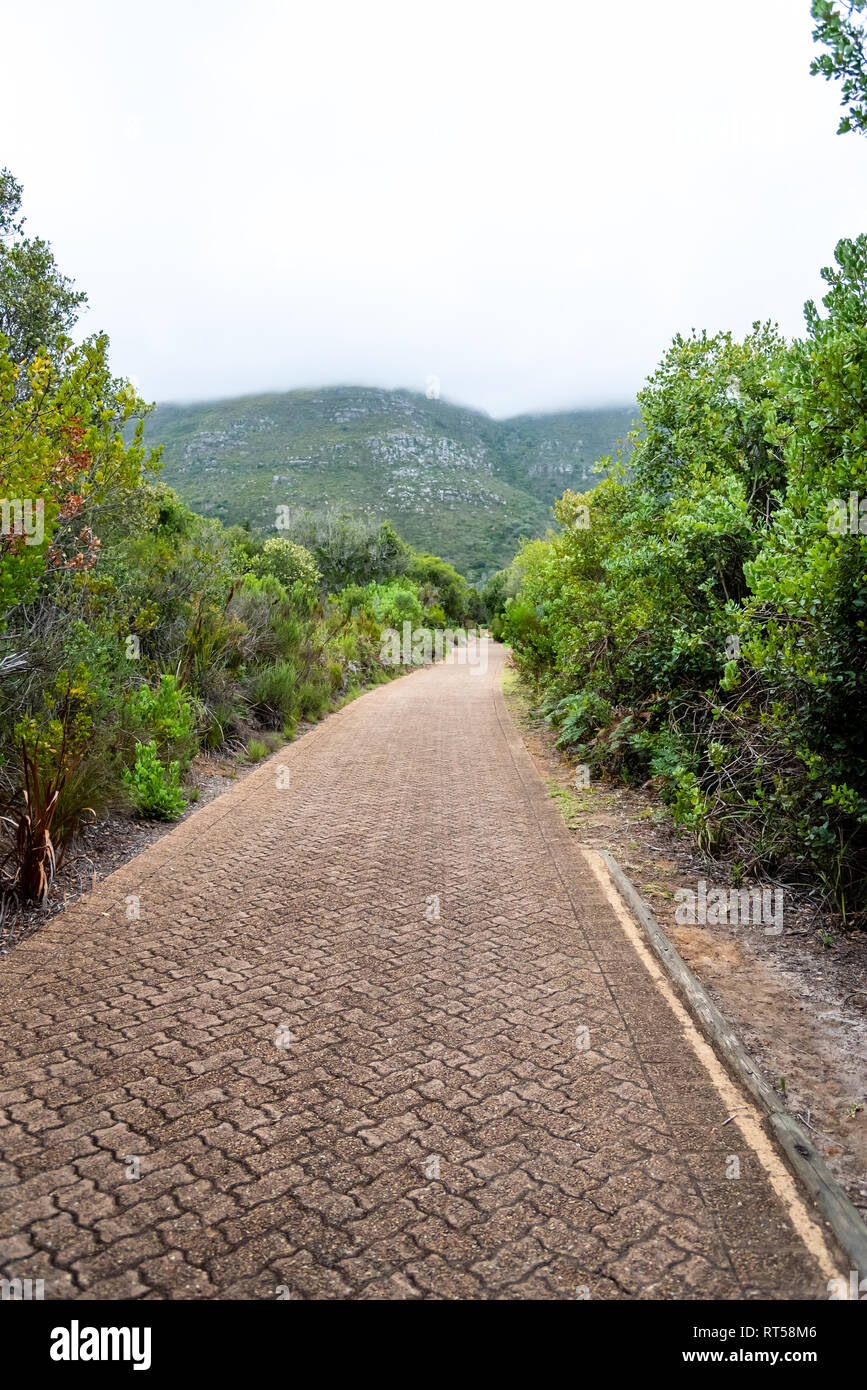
[(700, 621), (451, 480), (135, 632)]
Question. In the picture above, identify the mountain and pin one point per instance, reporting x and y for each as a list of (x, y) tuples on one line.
[(452, 480)]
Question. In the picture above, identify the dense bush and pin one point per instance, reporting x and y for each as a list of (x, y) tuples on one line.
[(155, 789), (168, 717), (349, 549), (274, 694), (290, 564), (132, 631), (700, 621), (440, 586)]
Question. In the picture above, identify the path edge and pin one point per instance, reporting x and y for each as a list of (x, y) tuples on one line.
[(800, 1153)]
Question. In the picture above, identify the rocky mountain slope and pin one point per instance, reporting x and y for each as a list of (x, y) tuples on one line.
[(452, 480)]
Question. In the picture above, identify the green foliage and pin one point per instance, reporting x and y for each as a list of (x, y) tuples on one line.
[(290, 564), (65, 466), (440, 586), (224, 722), (844, 37), (350, 549), (448, 479), (396, 603), (38, 305), (707, 630), (155, 789), (313, 697), (168, 716), (63, 461), (495, 595), (274, 694), (579, 716)]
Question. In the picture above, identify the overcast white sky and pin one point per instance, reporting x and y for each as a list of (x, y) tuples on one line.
[(527, 200)]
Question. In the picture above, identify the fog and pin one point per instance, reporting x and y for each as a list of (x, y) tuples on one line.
[(526, 201)]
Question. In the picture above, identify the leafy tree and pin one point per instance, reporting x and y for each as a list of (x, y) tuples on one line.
[(840, 32), (395, 603), (809, 576), (350, 549), (444, 586), (64, 460), (38, 305), (495, 595)]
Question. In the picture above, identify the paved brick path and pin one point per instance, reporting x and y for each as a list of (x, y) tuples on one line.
[(429, 1126)]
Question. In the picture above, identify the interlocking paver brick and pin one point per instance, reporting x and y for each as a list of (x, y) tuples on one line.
[(336, 1055)]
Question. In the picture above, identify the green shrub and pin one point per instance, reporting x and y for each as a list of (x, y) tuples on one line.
[(168, 716), (222, 721), (256, 750), (292, 565), (155, 790), (580, 716), (347, 643), (707, 628), (313, 698), (274, 694), (396, 603)]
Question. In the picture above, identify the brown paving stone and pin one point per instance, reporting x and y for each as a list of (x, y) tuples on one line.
[(306, 1167)]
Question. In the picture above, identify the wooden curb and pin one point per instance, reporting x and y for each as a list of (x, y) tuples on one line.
[(800, 1153)]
